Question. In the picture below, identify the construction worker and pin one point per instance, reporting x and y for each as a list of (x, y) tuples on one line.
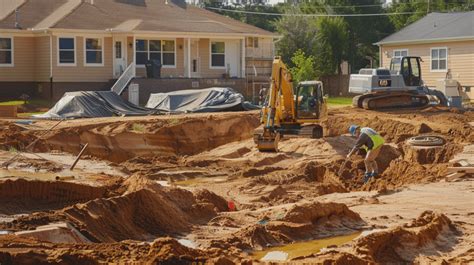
[(372, 142)]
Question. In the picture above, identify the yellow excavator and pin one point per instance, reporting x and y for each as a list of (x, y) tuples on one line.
[(290, 111)]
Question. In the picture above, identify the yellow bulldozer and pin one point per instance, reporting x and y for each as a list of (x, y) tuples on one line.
[(290, 111)]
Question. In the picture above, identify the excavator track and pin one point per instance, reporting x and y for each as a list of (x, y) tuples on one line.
[(393, 100)]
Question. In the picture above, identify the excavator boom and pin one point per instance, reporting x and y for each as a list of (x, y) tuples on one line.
[(287, 109)]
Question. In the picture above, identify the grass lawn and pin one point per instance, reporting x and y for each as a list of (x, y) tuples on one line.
[(339, 101), (28, 114), (35, 102)]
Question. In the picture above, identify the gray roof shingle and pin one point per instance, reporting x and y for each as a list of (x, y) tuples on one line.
[(435, 26), (152, 15)]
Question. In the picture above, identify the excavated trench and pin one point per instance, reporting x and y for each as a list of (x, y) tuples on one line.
[(19, 196), (191, 152), (121, 141)]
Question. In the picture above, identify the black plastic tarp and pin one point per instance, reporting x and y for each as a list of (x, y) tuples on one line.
[(199, 100), (89, 104)]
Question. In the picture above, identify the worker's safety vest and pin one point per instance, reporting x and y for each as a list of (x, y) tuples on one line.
[(374, 136)]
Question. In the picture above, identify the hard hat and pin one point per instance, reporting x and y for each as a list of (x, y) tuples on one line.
[(352, 129)]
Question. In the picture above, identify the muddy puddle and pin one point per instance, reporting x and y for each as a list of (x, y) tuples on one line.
[(301, 249)]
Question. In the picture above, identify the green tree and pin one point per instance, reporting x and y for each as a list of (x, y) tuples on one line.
[(304, 67), (423, 7), (332, 44), (297, 33)]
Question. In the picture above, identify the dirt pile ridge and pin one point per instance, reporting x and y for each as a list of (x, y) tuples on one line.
[(431, 234), (17, 250), (14, 137), (120, 141), (22, 196), (300, 222), (428, 234), (144, 211), (397, 126)]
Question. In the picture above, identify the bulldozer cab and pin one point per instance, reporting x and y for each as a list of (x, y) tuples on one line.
[(409, 68), (310, 99)]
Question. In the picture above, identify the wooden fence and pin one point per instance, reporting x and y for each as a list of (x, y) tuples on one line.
[(336, 85)]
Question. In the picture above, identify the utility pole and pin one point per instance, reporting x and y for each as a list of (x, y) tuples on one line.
[(428, 8)]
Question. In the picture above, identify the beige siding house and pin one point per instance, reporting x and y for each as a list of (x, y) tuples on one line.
[(444, 41), (49, 47)]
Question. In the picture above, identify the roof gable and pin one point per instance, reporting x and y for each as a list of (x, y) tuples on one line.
[(435, 26), (127, 15)]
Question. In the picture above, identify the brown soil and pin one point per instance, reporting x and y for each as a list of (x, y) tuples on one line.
[(430, 233), (22, 196), (179, 136), (288, 224), (134, 214), (16, 250), (280, 198)]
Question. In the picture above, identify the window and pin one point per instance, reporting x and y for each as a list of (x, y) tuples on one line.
[(400, 53), (252, 42), (218, 54), (168, 52), (6, 51), (142, 52), (67, 54), (161, 50), (118, 50), (439, 59), (93, 51)]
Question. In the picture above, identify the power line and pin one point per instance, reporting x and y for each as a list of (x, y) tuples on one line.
[(311, 15)]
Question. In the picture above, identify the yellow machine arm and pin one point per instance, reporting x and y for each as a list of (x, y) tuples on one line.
[(281, 100), (287, 109)]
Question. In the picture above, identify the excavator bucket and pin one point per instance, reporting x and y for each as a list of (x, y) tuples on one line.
[(268, 141)]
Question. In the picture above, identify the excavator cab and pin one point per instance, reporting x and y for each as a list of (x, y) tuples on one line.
[(409, 68), (309, 95)]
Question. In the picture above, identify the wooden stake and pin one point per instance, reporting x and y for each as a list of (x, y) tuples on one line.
[(79, 156)]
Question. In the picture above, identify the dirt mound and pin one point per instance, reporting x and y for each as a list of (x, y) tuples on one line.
[(428, 234), (13, 137), (205, 196), (397, 126), (319, 212), (20, 195), (120, 141), (16, 250), (32, 221), (300, 222), (402, 172), (393, 131), (145, 211), (431, 155)]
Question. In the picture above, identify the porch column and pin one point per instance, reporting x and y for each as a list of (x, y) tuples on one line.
[(134, 50), (189, 57), (243, 59)]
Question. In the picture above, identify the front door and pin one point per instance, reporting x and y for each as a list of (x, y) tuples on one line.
[(120, 59)]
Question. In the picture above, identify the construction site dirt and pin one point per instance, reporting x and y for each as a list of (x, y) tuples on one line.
[(188, 188)]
